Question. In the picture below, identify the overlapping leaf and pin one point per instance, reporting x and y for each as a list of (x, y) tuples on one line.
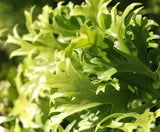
[(90, 62)]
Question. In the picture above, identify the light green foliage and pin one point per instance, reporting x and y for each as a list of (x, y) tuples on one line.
[(88, 65)]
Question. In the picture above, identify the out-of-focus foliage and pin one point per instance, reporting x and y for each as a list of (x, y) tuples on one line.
[(12, 13)]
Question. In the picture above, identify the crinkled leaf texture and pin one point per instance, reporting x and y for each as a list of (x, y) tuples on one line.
[(92, 66)]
